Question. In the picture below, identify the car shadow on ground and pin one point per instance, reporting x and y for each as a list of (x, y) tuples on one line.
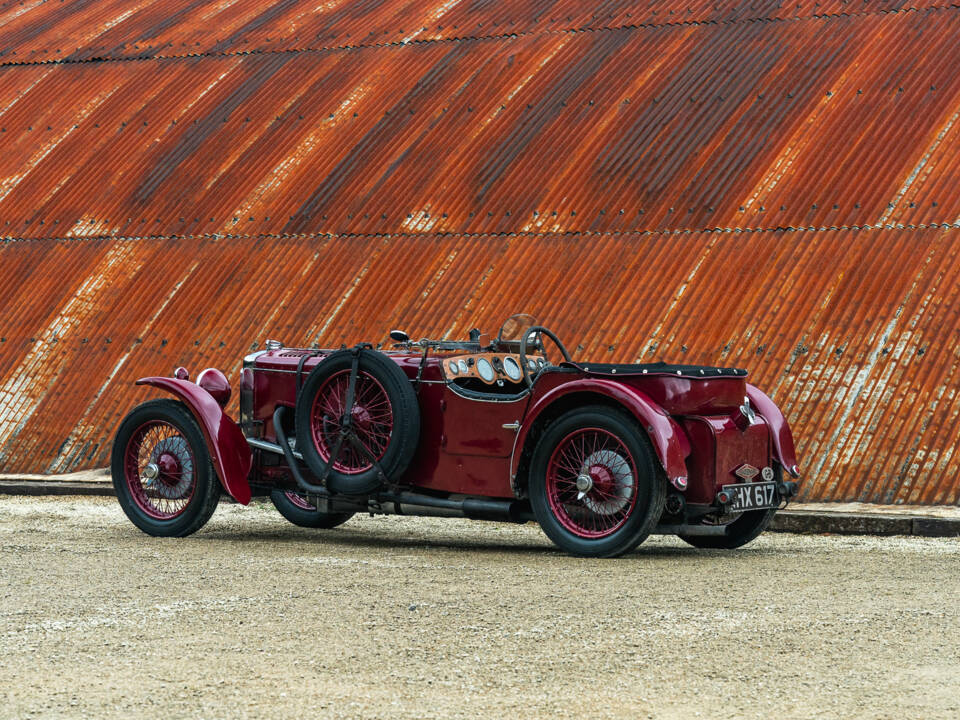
[(374, 540), (357, 538)]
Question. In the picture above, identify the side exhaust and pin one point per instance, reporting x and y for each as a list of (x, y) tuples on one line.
[(397, 502)]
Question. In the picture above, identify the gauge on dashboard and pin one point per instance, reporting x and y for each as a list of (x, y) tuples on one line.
[(532, 364), (512, 368), (462, 364), (454, 368), (486, 370)]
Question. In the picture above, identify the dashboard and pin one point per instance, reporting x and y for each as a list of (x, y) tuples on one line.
[(490, 368)]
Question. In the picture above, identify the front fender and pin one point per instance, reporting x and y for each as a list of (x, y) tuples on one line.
[(783, 448), (669, 441), (228, 447)]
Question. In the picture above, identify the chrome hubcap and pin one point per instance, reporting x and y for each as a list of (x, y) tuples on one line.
[(584, 485)]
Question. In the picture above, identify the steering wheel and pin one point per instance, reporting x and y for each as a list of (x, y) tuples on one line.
[(535, 330)]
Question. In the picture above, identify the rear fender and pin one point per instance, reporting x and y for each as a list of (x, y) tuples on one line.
[(783, 449), (669, 441), (228, 447)]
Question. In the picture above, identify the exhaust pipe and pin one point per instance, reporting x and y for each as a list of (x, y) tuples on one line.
[(291, 459), (400, 502), (408, 503)]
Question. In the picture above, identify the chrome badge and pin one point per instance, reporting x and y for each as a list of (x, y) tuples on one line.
[(746, 471)]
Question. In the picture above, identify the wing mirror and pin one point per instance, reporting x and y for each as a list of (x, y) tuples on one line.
[(399, 336)]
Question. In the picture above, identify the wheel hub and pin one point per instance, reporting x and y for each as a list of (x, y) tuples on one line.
[(169, 468), (169, 472), (584, 485), (601, 476), (611, 482), (361, 417)]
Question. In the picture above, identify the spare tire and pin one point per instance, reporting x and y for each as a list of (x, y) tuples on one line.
[(385, 419)]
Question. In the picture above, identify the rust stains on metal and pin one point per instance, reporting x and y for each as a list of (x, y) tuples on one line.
[(737, 182)]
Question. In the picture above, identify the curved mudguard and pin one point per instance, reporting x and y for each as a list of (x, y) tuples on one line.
[(783, 448), (228, 447), (669, 440)]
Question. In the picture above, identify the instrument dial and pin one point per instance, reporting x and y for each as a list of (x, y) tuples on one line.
[(486, 370), (454, 368), (462, 364), (512, 368)]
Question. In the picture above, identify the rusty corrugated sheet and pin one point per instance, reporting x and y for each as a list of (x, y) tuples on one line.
[(81, 30), (740, 183)]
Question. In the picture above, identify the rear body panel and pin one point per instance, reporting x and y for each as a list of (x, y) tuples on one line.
[(721, 448)]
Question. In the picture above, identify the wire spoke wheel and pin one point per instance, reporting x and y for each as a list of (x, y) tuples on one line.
[(594, 484), (299, 509), (371, 420), (355, 455), (160, 470), (591, 483), (299, 501)]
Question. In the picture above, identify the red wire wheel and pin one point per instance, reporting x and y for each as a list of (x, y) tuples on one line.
[(591, 483), (160, 470), (594, 482), (384, 421), (371, 415), (298, 509), (299, 501)]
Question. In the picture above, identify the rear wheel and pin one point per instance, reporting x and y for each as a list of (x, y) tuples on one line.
[(594, 485), (742, 528), (300, 511), (161, 470)]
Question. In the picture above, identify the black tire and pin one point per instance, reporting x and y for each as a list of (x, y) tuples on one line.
[(631, 503), (741, 530), (183, 496), (391, 427), (303, 516)]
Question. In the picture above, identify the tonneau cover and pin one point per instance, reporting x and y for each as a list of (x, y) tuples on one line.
[(657, 368)]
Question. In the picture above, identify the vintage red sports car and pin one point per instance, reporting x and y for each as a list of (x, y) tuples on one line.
[(600, 455)]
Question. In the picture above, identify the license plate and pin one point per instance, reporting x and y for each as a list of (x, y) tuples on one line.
[(753, 496)]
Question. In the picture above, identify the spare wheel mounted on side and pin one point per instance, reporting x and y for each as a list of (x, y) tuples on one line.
[(378, 433)]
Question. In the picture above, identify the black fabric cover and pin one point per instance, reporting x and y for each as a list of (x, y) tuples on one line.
[(657, 368)]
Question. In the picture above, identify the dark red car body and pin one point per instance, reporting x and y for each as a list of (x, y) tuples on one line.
[(704, 425)]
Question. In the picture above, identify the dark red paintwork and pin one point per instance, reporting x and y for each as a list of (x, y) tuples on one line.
[(670, 443), (480, 445), (780, 433)]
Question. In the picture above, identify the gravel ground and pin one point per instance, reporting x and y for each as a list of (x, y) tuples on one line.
[(422, 618)]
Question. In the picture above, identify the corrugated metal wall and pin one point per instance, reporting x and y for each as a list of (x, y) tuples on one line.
[(737, 182)]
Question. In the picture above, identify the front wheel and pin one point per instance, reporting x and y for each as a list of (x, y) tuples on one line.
[(300, 511), (595, 487), (161, 470)]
